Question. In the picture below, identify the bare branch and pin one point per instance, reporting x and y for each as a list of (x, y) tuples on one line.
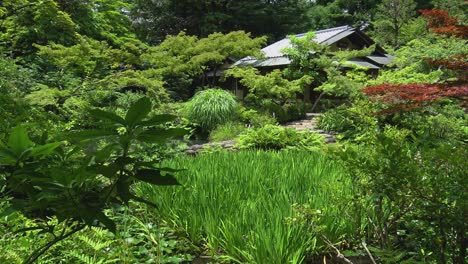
[(338, 253), (368, 252)]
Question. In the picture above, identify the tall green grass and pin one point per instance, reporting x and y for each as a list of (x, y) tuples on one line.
[(211, 108), (240, 204)]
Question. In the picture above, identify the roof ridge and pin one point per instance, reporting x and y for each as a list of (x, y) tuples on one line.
[(343, 28), (347, 28), (333, 29)]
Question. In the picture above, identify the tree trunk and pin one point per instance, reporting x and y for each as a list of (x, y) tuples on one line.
[(213, 83), (316, 102)]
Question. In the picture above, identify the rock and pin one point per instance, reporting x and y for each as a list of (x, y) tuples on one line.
[(196, 146)]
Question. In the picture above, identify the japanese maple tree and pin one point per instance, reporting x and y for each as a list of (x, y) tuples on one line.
[(405, 97)]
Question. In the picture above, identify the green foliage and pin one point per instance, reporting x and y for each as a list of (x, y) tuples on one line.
[(436, 125), (351, 122), (43, 180), (182, 58), (139, 238), (410, 68), (15, 82), (456, 8), (217, 47), (392, 16), (234, 202), (254, 118), (88, 58), (326, 14), (212, 107), (272, 18), (272, 93), (397, 174), (94, 244), (272, 86), (27, 22), (324, 67), (275, 137), (64, 169), (414, 28), (227, 131), (147, 82)]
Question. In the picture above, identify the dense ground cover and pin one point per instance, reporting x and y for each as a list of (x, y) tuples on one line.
[(257, 206), (92, 97)]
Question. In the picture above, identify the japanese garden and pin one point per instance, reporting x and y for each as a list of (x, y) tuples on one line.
[(220, 131)]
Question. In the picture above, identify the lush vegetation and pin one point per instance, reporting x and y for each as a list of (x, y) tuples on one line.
[(211, 108), (100, 99), (235, 202)]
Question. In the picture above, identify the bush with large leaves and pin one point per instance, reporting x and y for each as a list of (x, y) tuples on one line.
[(75, 179)]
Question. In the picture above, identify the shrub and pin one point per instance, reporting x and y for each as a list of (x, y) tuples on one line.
[(141, 238), (413, 190), (295, 111), (283, 113), (212, 107), (257, 119), (58, 186), (226, 131), (275, 137), (350, 122), (335, 120)]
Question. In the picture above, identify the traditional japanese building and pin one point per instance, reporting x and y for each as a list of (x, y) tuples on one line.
[(338, 38)]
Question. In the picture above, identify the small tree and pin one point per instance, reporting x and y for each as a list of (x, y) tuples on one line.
[(391, 17), (325, 67), (272, 86), (181, 59), (449, 64), (56, 179)]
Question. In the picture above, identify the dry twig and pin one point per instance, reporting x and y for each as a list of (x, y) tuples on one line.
[(338, 253)]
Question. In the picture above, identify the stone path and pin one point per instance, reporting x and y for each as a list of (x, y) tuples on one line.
[(197, 148), (310, 123)]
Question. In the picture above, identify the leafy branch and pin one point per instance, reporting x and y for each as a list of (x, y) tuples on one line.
[(57, 180)]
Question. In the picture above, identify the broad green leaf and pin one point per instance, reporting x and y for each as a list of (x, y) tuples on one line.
[(123, 190), (161, 135), (109, 171), (122, 161), (138, 111), (19, 140), (90, 214), (106, 221), (158, 120), (141, 200), (7, 211), (25, 154), (44, 150), (91, 133), (109, 116), (154, 176), (125, 139), (7, 156), (105, 152)]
